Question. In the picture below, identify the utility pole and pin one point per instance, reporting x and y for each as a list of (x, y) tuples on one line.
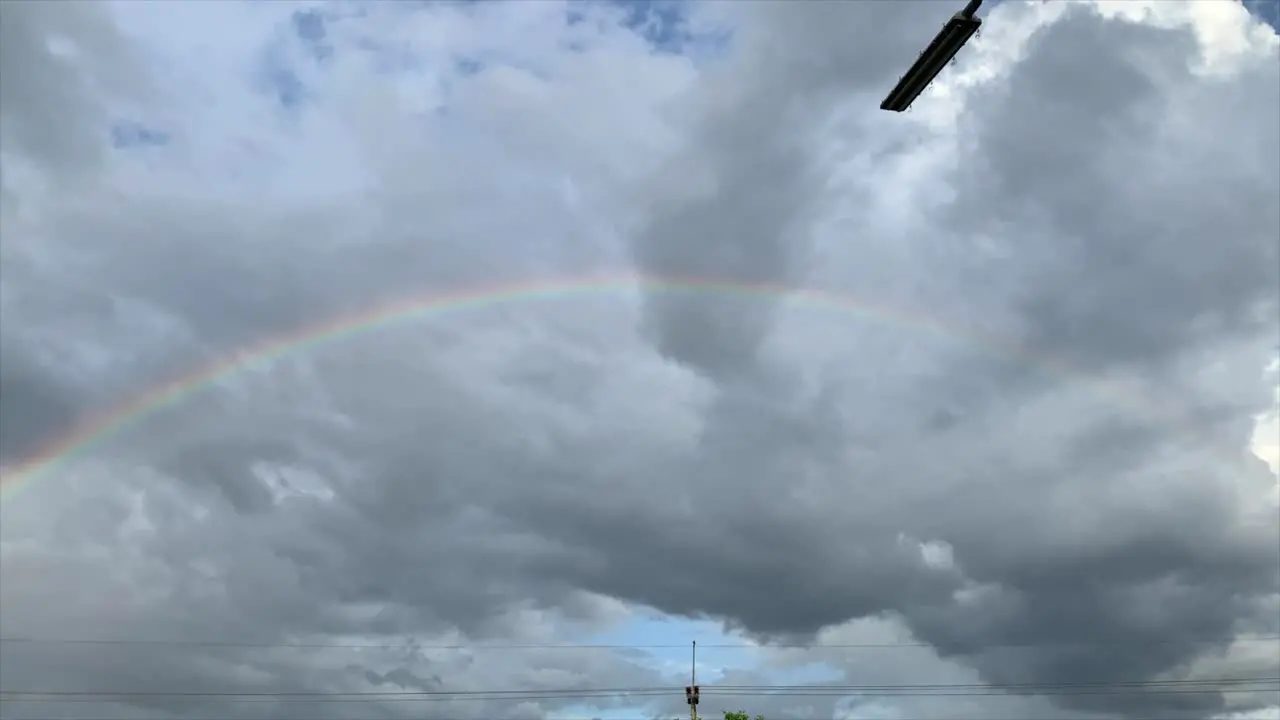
[(691, 690)]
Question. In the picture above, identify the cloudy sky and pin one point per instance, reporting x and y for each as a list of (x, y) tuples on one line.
[(469, 360)]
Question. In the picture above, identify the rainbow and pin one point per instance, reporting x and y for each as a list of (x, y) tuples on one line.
[(98, 430)]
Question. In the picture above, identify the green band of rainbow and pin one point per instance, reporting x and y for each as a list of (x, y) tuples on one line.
[(100, 429)]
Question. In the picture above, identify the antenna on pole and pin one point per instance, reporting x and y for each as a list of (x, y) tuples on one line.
[(691, 690)]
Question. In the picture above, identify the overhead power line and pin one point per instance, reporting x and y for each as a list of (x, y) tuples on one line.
[(1121, 692), (484, 647), (1093, 684), (1153, 687), (670, 689)]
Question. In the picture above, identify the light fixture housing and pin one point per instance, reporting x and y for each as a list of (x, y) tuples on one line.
[(962, 26)]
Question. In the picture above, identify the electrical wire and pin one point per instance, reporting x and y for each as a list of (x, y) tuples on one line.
[(1154, 687), (409, 645)]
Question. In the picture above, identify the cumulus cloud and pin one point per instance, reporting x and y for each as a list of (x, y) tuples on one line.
[(1012, 478)]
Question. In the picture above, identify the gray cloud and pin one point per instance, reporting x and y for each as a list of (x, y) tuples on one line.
[(736, 203), (537, 471), (33, 408), (1139, 255), (53, 111)]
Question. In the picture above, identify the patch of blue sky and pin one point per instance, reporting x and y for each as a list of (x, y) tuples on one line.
[(719, 652), (288, 65), (310, 28), (1266, 10), (313, 38), (669, 26), (674, 657), (276, 77), (303, 48), (296, 51), (675, 636), (664, 23)]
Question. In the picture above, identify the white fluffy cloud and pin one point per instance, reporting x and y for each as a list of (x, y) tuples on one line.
[(1010, 449)]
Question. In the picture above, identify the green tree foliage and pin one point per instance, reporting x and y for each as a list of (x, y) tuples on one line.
[(739, 716)]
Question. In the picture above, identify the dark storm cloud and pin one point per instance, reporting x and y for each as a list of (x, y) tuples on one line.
[(1132, 280), (1124, 270), (1129, 278), (745, 218), (706, 239), (34, 408), (49, 102)]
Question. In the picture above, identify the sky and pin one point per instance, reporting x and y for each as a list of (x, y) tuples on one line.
[(465, 360)]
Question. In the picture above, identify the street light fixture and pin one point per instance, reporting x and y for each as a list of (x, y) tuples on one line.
[(936, 56)]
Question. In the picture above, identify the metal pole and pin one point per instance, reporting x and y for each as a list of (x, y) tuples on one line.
[(693, 680)]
